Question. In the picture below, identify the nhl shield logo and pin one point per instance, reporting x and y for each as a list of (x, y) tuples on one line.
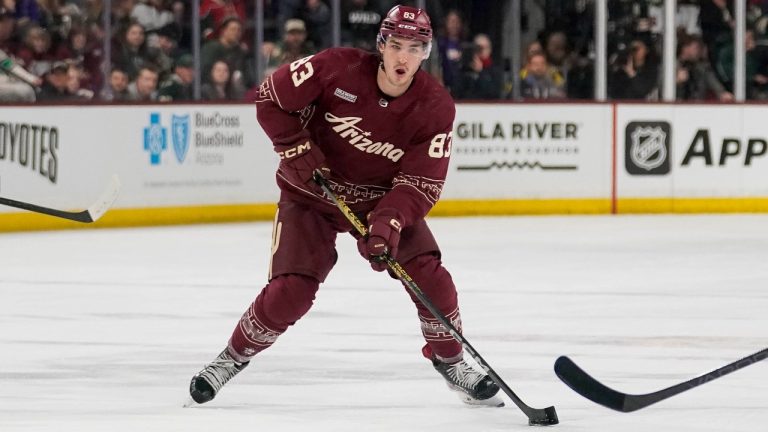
[(180, 136), (647, 148)]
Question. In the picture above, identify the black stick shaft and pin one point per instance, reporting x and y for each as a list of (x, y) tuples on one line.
[(546, 416), (589, 387), (82, 216)]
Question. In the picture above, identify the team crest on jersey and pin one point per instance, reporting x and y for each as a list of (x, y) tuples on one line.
[(349, 97), (347, 129)]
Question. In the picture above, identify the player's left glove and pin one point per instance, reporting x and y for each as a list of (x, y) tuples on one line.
[(384, 228)]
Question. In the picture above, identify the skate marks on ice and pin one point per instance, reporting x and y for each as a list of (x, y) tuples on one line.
[(108, 338)]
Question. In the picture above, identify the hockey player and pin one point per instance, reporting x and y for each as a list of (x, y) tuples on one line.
[(379, 128)]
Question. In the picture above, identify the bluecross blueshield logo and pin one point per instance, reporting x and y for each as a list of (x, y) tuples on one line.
[(155, 138), (180, 136)]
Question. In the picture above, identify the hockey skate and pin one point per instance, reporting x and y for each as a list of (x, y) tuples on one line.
[(207, 383), (473, 387)]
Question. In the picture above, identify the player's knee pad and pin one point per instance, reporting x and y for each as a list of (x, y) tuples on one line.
[(434, 280), (287, 298)]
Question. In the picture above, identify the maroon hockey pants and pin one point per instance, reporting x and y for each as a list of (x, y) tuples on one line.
[(303, 253)]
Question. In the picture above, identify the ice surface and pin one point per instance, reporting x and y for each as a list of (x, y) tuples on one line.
[(102, 329)]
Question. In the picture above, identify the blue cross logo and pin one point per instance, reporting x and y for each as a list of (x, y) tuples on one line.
[(155, 138)]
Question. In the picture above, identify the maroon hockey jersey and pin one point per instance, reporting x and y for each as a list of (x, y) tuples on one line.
[(390, 152)]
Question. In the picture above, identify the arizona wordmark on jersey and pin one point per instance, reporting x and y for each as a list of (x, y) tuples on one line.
[(345, 127)]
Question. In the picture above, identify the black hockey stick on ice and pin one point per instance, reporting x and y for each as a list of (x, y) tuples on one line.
[(92, 214), (582, 383), (536, 416)]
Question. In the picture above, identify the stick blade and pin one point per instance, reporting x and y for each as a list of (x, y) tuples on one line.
[(582, 383), (547, 417), (105, 201)]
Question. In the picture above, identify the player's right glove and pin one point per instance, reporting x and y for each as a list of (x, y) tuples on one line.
[(383, 237), (299, 160)]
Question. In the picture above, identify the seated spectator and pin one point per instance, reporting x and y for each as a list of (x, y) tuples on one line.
[(166, 42), (144, 87), (634, 72), (117, 89), (756, 66), (178, 86), (131, 51), (540, 81), (227, 47), (151, 14), (7, 29), (34, 54), (360, 24), (13, 89), (214, 12), (75, 77), (695, 78), (480, 78), (294, 46), (55, 82), (219, 84)]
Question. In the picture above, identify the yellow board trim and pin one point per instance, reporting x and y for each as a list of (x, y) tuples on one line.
[(692, 205), (520, 207), (143, 217), (25, 221)]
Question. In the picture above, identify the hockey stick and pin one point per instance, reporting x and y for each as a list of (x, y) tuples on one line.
[(536, 416), (582, 383), (92, 214)]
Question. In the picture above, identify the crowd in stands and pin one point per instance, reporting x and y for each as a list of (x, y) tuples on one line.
[(60, 44)]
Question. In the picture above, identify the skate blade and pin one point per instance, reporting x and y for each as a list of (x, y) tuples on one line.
[(492, 402), (190, 403)]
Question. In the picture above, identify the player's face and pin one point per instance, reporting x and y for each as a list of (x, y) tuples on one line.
[(402, 58)]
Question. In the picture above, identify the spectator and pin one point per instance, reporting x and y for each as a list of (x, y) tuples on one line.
[(634, 72), (7, 29), (118, 87), (717, 24), (34, 53), (121, 12), (166, 43), (695, 78), (480, 79), (151, 14), (11, 88), (317, 15), (226, 48), (360, 24), (131, 52), (540, 81), (450, 48), (55, 82), (220, 85), (293, 46), (213, 13), (178, 86), (75, 77), (558, 53), (144, 87), (755, 68)]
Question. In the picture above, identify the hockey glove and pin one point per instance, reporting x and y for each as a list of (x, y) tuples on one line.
[(299, 160), (383, 237)]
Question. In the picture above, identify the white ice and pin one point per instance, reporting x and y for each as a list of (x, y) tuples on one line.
[(101, 330)]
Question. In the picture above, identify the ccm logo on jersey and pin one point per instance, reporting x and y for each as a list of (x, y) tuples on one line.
[(295, 151)]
